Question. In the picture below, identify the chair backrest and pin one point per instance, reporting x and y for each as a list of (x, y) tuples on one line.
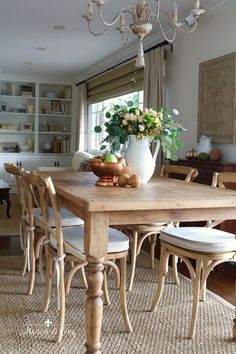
[(54, 169), (46, 195), (188, 173), (224, 180), (17, 173)]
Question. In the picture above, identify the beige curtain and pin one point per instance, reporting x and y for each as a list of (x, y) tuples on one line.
[(81, 142), (154, 85)]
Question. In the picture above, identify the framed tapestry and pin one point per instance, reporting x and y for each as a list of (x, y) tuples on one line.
[(217, 99)]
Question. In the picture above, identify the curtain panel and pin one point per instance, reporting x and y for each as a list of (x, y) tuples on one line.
[(154, 86), (81, 136)]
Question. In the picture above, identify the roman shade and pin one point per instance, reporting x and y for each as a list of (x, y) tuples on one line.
[(116, 82)]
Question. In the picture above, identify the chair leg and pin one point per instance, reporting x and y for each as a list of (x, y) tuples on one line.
[(106, 299), (25, 247), (123, 303), (49, 264), (133, 259), (203, 289), (61, 317), (196, 293), (164, 256), (152, 250), (72, 273), (32, 262), (174, 269), (84, 277)]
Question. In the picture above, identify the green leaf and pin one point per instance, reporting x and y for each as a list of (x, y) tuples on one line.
[(130, 103), (116, 107), (98, 129), (108, 115), (103, 147)]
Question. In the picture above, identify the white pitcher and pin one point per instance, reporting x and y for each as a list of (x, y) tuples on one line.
[(204, 144), (139, 155)]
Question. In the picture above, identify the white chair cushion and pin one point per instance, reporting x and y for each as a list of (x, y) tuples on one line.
[(200, 239), (67, 218), (74, 236)]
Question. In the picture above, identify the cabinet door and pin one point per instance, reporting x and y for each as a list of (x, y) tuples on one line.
[(49, 161), (56, 161), (65, 162)]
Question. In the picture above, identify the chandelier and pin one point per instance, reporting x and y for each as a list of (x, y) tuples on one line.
[(138, 20)]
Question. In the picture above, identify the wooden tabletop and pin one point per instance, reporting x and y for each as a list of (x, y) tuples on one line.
[(158, 194)]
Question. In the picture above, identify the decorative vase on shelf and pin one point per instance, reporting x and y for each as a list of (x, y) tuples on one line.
[(139, 155), (204, 144)]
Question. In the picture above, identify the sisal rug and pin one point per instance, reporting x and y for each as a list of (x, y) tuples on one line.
[(10, 227), (25, 329)]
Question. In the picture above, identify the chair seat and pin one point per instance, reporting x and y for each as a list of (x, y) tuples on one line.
[(67, 218), (200, 239), (74, 236)]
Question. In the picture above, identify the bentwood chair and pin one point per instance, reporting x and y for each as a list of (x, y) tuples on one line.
[(138, 233), (24, 224), (68, 244), (30, 221), (208, 247)]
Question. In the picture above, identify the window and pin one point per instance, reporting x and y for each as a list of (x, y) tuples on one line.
[(96, 116)]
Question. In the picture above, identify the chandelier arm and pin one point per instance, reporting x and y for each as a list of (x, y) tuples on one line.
[(116, 18), (170, 40), (156, 14), (94, 33)]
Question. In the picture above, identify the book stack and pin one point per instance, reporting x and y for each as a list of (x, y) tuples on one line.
[(26, 91), (66, 108), (65, 146)]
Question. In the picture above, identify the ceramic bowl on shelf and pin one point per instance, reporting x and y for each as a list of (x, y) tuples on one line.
[(107, 171), (24, 148)]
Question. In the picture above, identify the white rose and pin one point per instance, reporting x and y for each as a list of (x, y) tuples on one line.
[(141, 128)]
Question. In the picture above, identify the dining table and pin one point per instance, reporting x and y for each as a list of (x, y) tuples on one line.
[(161, 199)]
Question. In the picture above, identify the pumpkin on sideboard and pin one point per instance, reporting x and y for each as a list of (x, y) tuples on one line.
[(215, 155), (191, 154)]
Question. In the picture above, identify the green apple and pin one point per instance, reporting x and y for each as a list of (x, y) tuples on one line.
[(108, 157)]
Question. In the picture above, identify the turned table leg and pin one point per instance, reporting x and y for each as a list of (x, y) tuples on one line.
[(94, 305)]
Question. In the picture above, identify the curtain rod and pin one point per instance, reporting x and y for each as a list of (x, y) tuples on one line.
[(125, 61)]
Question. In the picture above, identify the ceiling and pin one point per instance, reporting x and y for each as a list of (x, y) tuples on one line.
[(29, 24)]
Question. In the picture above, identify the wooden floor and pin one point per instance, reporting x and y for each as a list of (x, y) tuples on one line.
[(221, 280)]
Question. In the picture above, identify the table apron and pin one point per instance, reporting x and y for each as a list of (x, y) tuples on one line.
[(150, 216)]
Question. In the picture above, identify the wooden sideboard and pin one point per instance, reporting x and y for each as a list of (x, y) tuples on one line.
[(206, 169)]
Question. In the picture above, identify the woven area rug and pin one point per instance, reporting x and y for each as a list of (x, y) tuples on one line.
[(10, 227), (25, 329)]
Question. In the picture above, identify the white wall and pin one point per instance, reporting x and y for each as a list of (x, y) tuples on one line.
[(213, 38)]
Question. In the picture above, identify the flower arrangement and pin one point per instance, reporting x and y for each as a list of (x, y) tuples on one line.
[(123, 121)]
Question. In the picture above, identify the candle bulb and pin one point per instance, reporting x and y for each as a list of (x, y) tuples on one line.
[(175, 13), (122, 20), (196, 4), (90, 8)]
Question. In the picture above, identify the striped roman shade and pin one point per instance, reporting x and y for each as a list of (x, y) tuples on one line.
[(115, 82)]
